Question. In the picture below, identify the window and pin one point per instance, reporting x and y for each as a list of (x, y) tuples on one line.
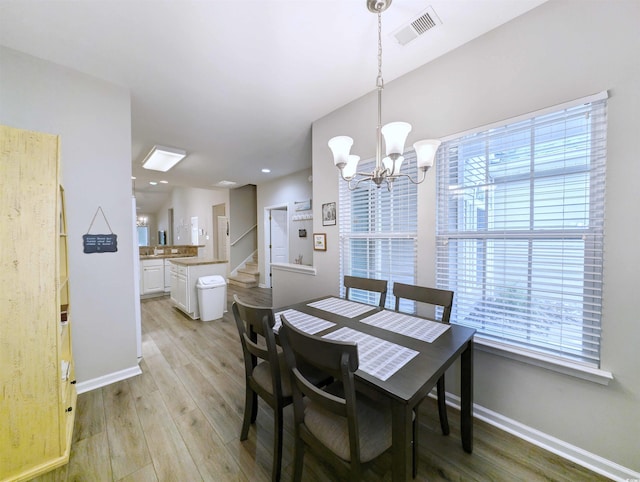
[(520, 229), (143, 235), (379, 231)]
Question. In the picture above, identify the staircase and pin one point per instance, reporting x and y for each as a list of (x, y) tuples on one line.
[(247, 276)]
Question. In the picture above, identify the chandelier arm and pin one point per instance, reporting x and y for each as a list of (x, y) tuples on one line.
[(367, 177), (423, 176), (344, 178), (421, 179)]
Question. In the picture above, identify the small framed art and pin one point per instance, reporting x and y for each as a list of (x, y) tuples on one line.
[(329, 214), (319, 241)]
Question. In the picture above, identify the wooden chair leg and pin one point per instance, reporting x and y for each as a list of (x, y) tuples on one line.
[(254, 407), (414, 444), (277, 445), (442, 407), (249, 410), (298, 459)]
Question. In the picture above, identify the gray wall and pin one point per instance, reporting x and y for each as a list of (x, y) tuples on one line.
[(186, 203), (286, 191), (242, 219), (93, 119), (557, 52)]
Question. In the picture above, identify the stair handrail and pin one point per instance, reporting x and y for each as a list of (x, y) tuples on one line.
[(255, 226)]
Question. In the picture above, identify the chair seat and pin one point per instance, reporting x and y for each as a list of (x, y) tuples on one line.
[(262, 376), (332, 430)]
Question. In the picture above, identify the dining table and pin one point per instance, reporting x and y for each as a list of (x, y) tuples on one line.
[(401, 358)]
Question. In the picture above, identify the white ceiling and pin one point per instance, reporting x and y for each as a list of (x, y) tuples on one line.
[(236, 83)]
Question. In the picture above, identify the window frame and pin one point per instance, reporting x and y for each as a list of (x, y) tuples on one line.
[(558, 362)]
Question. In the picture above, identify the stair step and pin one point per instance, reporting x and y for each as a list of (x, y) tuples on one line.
[(250, 265), (250, 270), (243, 280)]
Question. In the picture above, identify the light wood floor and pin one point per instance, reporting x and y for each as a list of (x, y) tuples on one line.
[(180, 420)]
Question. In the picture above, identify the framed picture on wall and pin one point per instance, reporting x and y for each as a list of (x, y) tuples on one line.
[(329, 214), (319, 241)]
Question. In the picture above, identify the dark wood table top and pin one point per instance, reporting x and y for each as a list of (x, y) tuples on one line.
[(414, 380)]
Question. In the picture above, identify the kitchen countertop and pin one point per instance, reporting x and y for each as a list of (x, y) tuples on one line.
[(164, 256), (197, 261)]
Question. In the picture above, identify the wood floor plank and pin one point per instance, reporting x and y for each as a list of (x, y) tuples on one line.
[(231, 389), (170, 456), (169, 385), (149, 346), (89, 461), (253, 459), (127, 442), (163, 337), (90, 417), (222, 417), (143, 383), (145, 474), (206, 448)]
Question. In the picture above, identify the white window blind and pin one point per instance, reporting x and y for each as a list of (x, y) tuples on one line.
[(520, 230), (378, 231)]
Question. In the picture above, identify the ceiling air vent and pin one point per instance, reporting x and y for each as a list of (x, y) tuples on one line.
[(416, 27)]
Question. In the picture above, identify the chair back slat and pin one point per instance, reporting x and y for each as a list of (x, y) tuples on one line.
[(252, 322), (423, 294), (366, 284)]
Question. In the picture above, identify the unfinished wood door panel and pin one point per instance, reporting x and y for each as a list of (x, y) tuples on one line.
[(36, 372)]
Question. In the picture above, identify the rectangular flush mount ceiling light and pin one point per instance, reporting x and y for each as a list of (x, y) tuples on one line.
[(163, 158)]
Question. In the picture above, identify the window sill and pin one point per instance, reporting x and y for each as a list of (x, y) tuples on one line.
[(566, 367)]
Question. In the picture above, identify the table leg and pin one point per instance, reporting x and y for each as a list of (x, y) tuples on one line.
[(401, 439), (466, 402)]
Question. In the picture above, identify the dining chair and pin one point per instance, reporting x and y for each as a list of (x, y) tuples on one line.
[(345, 430), (266, 372), (366, 284), (435, 297)]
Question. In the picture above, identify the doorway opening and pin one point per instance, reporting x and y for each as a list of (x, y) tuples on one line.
[(170, 227), (220, 232), (276, 239)]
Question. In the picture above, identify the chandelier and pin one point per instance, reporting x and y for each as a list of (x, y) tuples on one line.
[(395, 134)]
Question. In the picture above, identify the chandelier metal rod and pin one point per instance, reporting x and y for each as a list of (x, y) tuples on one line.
[(380, 86), (387, 165)]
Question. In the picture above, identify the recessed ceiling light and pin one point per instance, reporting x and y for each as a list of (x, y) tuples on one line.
[(162, 158), (266, 171), (153, 183), (164, 182), (226, 183), (133, 177)]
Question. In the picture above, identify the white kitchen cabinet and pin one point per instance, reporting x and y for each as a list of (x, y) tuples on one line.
[(184, 276), (167, 275), (173, 273), (152, 274)]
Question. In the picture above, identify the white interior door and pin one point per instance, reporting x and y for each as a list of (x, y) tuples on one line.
[(279, 236), (223, 237), (194, 230)]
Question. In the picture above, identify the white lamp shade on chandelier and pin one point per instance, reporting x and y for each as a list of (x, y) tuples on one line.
[(340, 146), (426, 152), (395, 134)]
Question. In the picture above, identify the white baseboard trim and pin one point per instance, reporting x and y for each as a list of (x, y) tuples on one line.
[(559, 447), (108, 379)]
